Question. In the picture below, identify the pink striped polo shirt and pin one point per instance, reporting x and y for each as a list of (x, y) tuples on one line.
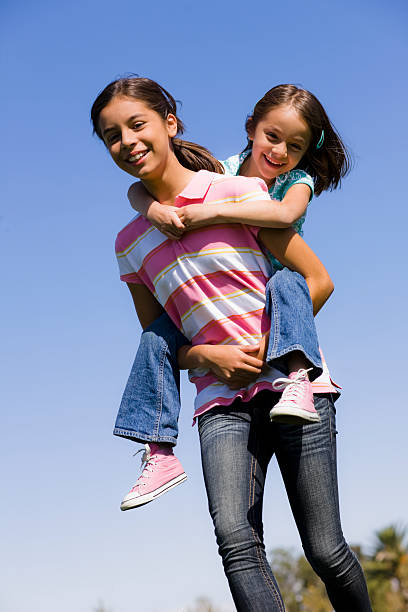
[(211, 282)]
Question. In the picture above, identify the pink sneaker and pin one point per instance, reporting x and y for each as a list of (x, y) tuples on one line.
[(296, 405), (161, 472)]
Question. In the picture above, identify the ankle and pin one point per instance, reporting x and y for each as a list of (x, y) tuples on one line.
[(296, 360), (160, 448)]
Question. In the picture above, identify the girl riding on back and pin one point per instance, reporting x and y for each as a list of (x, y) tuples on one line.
[(294, 148), (212, 284)]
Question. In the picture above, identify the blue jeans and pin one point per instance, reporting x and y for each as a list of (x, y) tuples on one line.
[(290, 309), (150, 404), (237, 444)]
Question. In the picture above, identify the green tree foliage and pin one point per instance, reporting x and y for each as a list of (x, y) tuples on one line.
[(385, 567), (386, 570)]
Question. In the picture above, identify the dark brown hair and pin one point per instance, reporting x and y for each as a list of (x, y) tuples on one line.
[(190, 155), (327, 164)]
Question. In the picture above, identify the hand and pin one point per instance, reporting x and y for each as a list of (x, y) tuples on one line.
[(236, 366), (166, 220), (197, 215)]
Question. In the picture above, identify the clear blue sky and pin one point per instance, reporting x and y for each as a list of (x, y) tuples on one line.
[(68, 328)]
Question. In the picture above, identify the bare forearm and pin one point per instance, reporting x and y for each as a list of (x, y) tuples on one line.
[(268, 213), (199, 356), (192, 357), (320, 290), (233, 365)]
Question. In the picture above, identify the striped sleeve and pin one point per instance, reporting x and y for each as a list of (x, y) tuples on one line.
[(126, 270), (127, 274)]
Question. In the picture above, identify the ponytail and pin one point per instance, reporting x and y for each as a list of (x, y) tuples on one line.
[(195, 157)]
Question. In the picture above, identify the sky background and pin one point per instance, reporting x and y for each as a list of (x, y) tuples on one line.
[(69, 331)]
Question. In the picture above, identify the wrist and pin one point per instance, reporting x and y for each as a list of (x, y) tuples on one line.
[(150, 212), (203, 356), (190, 357)]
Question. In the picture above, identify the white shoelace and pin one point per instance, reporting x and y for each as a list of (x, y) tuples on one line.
[(146, 463), (280, 384), (146, 454)]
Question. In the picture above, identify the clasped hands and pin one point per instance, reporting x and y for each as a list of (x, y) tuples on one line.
[(173, 221), (236, 365)]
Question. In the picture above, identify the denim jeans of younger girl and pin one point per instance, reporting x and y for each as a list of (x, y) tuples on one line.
[(237, 444), (150, 405)]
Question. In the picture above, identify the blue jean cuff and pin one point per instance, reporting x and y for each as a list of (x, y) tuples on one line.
[(278, 359), (137, 436)]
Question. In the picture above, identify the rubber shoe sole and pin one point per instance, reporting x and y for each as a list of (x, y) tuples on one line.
[(141, 500), (293, 416)]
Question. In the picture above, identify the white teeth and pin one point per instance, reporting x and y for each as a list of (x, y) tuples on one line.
[(136, 157), (274, 162)]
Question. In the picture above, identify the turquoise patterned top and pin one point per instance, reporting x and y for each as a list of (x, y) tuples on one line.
[(277, 191)]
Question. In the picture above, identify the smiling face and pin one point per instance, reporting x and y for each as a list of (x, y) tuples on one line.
[(279, 141), (137, 137)]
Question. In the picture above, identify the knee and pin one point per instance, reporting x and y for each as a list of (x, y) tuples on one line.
[(151, 338), (163, 334), (158, 335), (288, 280), (229, 532), (161, 328), (285, 284), (330, 560), (237, 541)]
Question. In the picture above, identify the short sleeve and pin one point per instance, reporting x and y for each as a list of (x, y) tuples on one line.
[(126, 270), (231, 165), (297, 177), (127, 274)]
